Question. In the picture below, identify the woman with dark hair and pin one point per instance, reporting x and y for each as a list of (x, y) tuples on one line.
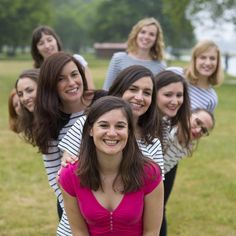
[(46, 42), (174, 106), (26, 88), (135, 85), (61, 100), (113, 189)]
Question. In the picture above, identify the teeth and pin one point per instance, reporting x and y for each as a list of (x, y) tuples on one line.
[(72, 90), (111, 142)]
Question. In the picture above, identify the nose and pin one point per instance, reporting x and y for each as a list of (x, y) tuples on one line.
[(174, 100), (111, 131), (139, 96), (25, 97), (70, 80), (46, 45)]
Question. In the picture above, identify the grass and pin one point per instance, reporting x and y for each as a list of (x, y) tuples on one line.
[(203, 199)]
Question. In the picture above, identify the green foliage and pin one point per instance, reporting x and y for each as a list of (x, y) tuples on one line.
[(18, 18), (116, 18)]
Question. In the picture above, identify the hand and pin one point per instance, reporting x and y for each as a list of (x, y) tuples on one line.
[(68, 158)]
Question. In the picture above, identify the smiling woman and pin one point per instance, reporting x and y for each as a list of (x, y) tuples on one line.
[(110, 175), (145, 46)]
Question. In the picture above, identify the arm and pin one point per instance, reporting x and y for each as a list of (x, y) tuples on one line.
[(153, 211), (113, 71), (76, 220)]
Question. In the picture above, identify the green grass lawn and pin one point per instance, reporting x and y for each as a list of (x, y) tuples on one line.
[(203, 201)]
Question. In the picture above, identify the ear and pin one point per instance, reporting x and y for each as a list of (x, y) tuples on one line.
[(91, 133)]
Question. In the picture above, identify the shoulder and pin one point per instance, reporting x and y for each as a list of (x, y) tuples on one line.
[(81, 60), (152, 177), (176, 69), (119, 55), (152, 172)]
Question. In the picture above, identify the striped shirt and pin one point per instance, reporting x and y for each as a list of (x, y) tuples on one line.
[(72, 140), (174, 151), (122, 60), (52, 160), (199, 97)]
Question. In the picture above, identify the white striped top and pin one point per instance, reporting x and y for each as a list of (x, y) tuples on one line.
[(52, 160), (72, 140), (122, 60)]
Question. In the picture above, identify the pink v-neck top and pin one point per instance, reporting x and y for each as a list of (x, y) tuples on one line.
[(125, 219)]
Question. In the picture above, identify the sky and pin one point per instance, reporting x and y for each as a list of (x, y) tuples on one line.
[(224, 34)]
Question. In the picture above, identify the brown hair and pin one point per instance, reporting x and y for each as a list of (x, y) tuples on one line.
[(49, 119), (131, 169), (182, 118), (36, 36), (149, 121)]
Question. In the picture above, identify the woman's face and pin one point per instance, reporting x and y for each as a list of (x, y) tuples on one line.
[(139, 96), (110, 133), (27, 90), (70, 85), (170, 98), (146, 37), (16, 104), (47, 45), (201, 124), (206, 62)]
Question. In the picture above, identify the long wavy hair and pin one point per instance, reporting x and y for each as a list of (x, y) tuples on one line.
[(131, 168), (49, 119), (182, 118), (191, 72), (26, 118), (157, 50), (149, 121), (36, 36)]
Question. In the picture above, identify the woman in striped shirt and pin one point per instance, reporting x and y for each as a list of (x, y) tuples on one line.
[(145, 46)]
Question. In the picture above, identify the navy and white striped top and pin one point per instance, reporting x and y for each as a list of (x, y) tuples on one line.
[(122, 60)]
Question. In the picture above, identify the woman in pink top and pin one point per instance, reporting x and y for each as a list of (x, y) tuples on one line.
[(113, 189)]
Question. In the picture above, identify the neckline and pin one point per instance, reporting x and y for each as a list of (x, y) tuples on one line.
[(104, 208)]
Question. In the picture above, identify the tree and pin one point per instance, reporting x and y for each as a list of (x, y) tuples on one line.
[(220, 11), (115, 19), (17, 20)]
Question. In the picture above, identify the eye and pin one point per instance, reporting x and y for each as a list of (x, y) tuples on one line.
[(120, 126), (148, 93), (179, 95)]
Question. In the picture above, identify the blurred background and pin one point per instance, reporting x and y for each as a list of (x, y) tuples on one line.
[(82, 23)]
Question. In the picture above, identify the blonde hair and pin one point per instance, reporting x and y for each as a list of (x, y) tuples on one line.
[(157, 50), (191, 72)]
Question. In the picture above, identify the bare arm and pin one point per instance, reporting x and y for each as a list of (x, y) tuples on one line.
[(153, 211), (76, 220)]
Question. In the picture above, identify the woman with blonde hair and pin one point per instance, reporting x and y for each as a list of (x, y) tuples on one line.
[(145, 46), (203, 72)]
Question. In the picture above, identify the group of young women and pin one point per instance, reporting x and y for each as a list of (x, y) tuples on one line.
[(111, 155)]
